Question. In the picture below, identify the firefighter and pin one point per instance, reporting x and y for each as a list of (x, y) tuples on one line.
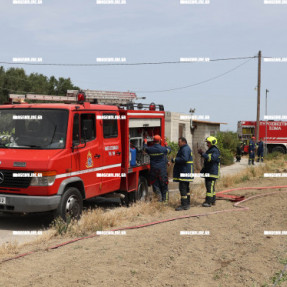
[(260, 150), (251, 151), (211, 167), (183, 172), (239, 152), (158, 167)]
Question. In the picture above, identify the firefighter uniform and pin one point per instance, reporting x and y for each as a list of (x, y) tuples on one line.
[(260, 151), (212, 168), (251, 152), (158, 169), (183, 173)]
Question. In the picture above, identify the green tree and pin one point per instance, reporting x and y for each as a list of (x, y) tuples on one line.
[(15, 80)]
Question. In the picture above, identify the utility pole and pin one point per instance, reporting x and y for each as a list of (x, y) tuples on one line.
[(258, 96)]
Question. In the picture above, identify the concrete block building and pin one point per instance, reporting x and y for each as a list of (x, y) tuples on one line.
[(176, 126), (195, 132), (200, 131)]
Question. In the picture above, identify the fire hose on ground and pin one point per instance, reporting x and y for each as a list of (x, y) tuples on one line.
[(222, 194)]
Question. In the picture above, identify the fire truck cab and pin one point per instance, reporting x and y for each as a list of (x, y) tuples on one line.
[(55, 155)]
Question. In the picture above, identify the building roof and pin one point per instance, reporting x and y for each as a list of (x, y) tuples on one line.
[(209, 123)]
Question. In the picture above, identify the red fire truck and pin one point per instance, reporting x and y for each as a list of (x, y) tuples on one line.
[(273, 133), (55, 155)]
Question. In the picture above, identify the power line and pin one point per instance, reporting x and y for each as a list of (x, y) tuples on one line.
[(237, 58), (212, 60), (121, 64), (198, 83)]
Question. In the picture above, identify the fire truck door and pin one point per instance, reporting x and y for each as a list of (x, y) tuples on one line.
[(112, 151), (87, 158)]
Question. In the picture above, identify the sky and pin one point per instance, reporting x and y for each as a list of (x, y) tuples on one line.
[(79, 32)]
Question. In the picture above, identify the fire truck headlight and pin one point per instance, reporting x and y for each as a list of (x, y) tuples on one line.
[(44, 179)]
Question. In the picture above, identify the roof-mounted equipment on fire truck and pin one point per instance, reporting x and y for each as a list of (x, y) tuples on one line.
[(74, 96), (124, 100), (140, 106)]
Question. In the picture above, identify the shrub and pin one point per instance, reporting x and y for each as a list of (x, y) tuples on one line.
[(227, 143), (174, 148), (273, 155)]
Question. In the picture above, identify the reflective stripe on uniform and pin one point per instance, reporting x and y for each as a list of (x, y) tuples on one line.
[(209, 157), (183, 179), (156, 154), (212, 188), (184, 196), (213, 175)]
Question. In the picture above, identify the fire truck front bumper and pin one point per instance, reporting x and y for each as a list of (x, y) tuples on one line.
[(27, 204)]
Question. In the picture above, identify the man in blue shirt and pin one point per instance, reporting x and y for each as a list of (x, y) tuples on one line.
[(183, 172), (158, 167), (260, 150), (251, 151)]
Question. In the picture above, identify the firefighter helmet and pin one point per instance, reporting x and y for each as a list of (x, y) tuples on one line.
[(157, 138), (212, 140)]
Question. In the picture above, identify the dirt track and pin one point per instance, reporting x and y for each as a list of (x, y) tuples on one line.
[(236, 253)]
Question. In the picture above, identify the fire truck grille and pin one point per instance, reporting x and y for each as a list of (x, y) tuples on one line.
[(7, 179)]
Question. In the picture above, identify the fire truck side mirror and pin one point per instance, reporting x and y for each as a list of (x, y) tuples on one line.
[(79, 145)]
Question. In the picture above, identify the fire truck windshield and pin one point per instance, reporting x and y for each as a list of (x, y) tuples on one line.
[(33, 128)]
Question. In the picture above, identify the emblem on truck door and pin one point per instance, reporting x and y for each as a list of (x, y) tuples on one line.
[(89, 162), (1, 177)]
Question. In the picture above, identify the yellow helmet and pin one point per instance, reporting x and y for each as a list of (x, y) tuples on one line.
[(212, 140)]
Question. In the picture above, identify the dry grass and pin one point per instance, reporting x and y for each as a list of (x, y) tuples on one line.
[(43, 239), (102, 219), (245, 175), (107, 219), (276, 165), (9, 248)]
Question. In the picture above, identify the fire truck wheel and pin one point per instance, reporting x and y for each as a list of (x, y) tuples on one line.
[(71, 204), (142, 190)]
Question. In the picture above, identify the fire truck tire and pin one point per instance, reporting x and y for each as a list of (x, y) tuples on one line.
[(71, 204), (278, 149), (142, 190)]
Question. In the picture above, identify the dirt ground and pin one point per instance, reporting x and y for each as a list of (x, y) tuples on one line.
[(235, 253)]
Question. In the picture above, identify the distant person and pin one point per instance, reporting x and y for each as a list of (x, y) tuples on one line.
[(211, 167), (251, 151), (158, 167), (183, 172), (239, 152), (260, 150)]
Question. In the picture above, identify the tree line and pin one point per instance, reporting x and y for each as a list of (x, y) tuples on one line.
[(16, 81)]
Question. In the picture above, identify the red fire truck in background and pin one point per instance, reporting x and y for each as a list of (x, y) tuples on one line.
[(273, 133), (55, 155)]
